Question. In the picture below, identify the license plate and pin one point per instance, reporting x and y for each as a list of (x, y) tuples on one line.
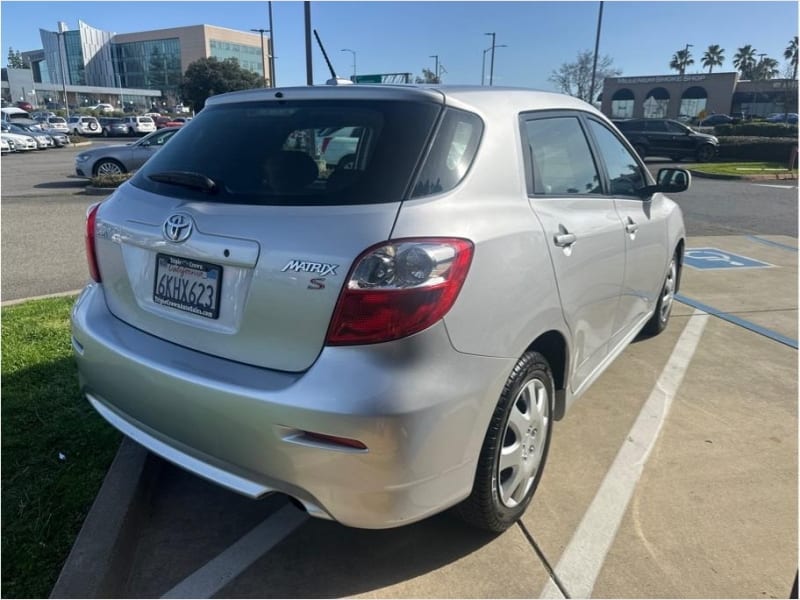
[(189, 285)]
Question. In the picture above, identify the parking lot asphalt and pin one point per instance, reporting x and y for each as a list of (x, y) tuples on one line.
[(675, 476)]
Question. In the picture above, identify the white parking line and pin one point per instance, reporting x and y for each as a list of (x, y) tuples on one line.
[(782, 187), (582, 560), (220, 571)]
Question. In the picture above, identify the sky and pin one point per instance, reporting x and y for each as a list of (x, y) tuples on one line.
[(387, 37)]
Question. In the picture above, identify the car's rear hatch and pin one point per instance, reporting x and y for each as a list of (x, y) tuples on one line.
[(236, 239)]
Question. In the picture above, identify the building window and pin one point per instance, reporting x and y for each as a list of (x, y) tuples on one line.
[(656, 103), (249, 57), (693, 102), (622, 104)]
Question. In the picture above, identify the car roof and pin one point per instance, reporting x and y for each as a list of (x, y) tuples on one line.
[(481, 99)]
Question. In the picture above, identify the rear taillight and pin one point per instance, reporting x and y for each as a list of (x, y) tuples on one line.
[(91, 254), (399, 288), (325, 142)]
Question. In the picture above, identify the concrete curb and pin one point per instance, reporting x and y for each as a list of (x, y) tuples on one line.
[(99, 562), (43, 297), (776, 177)]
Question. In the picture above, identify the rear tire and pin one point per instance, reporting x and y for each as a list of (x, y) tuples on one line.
[(515, 448)]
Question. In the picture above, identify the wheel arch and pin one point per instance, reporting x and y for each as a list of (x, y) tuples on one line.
[(553, 346)]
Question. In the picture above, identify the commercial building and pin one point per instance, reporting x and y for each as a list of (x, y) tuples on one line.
[(102, 66), (691, 96)]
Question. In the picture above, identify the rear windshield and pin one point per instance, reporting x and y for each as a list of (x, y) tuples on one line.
[(310, 152)]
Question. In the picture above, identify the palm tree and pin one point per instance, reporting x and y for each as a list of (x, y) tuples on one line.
[(790, 54), (680, 60), (766, 68), (713, 57), (745, 61)]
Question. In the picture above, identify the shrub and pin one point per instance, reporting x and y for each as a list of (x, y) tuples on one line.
[(77, 139), (110, 181), (764, 130), (756, 148)]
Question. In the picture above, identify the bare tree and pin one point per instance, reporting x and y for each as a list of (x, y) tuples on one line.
[(575, 78)]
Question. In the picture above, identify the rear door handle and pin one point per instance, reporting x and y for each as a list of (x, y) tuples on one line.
[(631, 227), (565, 239)]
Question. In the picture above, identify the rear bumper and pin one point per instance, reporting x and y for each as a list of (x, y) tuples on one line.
[(420, 407)]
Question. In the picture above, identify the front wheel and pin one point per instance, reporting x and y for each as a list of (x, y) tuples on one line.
[(109, 167), (658, 322), (515, 448), (705, 153)]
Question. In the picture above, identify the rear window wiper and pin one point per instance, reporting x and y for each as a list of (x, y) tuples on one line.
[(195, 181)]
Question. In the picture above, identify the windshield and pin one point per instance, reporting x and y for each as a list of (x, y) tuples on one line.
[(297, 152)]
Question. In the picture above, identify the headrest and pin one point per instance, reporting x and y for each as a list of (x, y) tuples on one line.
[(290, 171)]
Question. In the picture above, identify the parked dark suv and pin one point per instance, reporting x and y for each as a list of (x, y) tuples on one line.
[(665, 137)]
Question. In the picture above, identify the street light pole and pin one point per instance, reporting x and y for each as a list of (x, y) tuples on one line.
[(271, 47), (483, 62), (596, 50), (263, 59), (686, 56), (353, 52), (436, 67), (491, 68)]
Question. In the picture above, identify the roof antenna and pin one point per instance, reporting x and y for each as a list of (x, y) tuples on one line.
[(334, 80)]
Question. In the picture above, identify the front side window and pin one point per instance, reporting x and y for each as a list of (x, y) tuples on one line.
[(624, 173), (655, 126), (562, 163)]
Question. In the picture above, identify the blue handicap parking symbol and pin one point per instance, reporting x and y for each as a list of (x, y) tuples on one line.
[(714, 258)]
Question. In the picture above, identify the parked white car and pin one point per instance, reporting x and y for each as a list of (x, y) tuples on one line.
[(57, 123), (140, 125), (106, 108), (22, 143), (84, 125)]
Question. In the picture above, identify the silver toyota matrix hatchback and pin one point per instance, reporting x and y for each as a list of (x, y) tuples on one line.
[(383, 336)]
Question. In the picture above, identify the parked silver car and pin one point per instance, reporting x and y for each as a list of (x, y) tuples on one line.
[(112, 160), (384, 341)]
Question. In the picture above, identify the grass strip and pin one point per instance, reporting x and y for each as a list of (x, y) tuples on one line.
[(55, 448)]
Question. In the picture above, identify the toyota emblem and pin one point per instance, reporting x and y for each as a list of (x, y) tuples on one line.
[(178, 228)]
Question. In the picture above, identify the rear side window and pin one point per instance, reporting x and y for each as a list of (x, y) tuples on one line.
[(305, 152), (451, 155), (562, 163)]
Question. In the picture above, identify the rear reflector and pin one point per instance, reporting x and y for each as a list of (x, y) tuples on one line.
[(91, 253)]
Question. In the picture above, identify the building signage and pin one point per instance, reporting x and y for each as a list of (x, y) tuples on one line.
[(660, 79)]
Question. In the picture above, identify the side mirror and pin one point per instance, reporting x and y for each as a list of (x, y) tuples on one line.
[(673, 180), (669, 181)]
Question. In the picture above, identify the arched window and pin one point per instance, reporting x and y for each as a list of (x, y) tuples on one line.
[(656, 103), (622, 104), (693, 102)]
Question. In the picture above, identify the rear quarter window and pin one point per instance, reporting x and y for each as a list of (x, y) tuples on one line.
[(451, 155)]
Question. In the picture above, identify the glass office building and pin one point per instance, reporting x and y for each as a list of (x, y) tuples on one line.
[(153, 64), (147, 60)]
